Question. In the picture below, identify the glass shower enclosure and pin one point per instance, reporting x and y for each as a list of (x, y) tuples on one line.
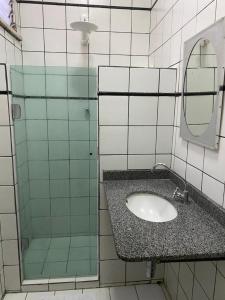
[(55, 127)]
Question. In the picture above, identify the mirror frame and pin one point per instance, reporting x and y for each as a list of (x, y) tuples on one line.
[(216, 35)]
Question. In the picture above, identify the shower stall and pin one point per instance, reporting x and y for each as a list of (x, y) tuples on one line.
[(55, 131)]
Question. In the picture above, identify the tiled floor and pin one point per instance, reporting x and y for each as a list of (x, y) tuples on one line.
[(138, 292), (61, 257)]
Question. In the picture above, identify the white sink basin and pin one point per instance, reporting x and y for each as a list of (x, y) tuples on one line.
[(151, 207)]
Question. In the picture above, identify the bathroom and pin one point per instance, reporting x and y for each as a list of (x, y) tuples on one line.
[(92, 101)]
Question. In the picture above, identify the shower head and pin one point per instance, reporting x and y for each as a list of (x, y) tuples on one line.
[(85, 27)]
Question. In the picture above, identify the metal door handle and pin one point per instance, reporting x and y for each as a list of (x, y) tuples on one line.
[(16, 111)]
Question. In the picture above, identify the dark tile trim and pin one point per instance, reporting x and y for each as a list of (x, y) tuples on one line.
[(54, 97), (130, 94), (85, 5), (5, 92)]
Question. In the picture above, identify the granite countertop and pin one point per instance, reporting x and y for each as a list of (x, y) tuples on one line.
[(193, 235)]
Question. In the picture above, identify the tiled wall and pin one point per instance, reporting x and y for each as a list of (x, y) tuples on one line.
[(173, 22), (134, 133), (122, 37), (10, 53)]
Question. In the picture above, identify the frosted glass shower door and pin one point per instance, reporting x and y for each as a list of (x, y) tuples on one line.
[(56, 143)]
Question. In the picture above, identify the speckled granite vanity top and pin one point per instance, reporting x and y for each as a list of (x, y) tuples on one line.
[(198, 232)]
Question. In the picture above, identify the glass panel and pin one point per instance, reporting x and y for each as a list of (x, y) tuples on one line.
[(56, 144)]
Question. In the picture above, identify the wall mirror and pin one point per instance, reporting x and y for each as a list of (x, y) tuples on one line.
[(203, 86)]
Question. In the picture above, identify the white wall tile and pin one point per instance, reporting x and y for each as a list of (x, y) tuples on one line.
[(166, 110), (120, 60), (177, 16), (195, 155), (167, 26), (52, 58), (139, 61), (2, 49), (194, 176), (205, 272), (120, 43), (214, 160), (142, 139), (121, 2), (54, 16), (140, 21), (4, 112), (180, 145), (31, 15), (190, 10), (113, 110), (164, 139), (33, 58), (164, 158), (12, 278), (55, 40), (74, 44), (112, 271), (107, 247), (7, 204), (135, 271), (99, 43), (141, 161), (6, 176), (220, 9), (100, 17), (167, 81), (140, 44), (31, 44), (143, 3), (143, 110), (96, 60), (213, 189), (121, 20), (5, 147), (3, 86), (105, 224), (202, 4), (113, 139), (144, 80), (112, 162), (10, 252), (74, 14), (175, 48), (179, 166), (8, 226), (113, 79), (207, 17)]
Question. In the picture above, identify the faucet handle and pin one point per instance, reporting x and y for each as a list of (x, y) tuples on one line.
[(175, 193)]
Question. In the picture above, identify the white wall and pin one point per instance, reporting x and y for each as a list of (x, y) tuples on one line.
[(173, 22), (176, 23), (10, 54), (122, 37), (134, 133)]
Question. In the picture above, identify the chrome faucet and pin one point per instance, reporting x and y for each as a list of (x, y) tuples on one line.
[(177, 193)]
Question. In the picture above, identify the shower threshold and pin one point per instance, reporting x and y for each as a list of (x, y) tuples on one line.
[(61, 259), (35, 282)]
